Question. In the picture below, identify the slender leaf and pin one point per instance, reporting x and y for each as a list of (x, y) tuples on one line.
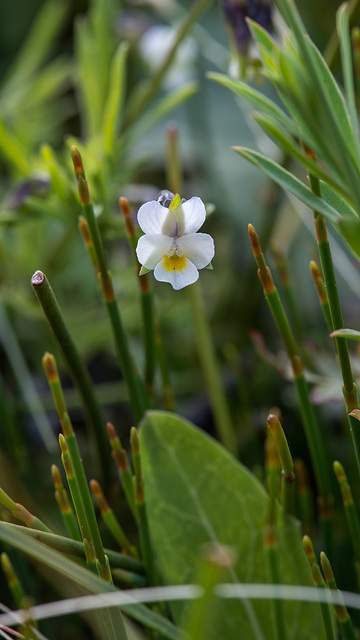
[(84, 578), (342, 23), (115, 98), (288, 182), (352, 334)]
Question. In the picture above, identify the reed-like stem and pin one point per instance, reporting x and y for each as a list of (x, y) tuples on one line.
[(147, 550), (319, 582), (312, 430), (322, 295), (272, 558), (122, 464), (341, 611), (351, 514), (111, 521), (65, 507), (210, 369), (136, 392), (75, 365), (288, 475)]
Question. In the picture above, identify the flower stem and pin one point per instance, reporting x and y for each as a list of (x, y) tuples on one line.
[(206, 350)]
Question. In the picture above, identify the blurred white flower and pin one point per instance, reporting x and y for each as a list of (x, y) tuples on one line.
[(171, 245), (156, 43)]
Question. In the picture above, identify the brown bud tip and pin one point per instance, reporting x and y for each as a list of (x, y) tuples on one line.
[(62, 443), (308, 546), (49, 365), (326, 566), (273, 422), (315, 270), (111, 431), (95, 488), (134, 440), (355, 414), (84, 230), (77, 161), (56, 476), (38, 279), (339, 471), (254, 240), (125, 207)]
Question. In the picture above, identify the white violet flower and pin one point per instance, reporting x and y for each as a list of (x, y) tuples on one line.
[(171, 245)]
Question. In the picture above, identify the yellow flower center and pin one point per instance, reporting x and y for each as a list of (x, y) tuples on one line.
[(174, 263)]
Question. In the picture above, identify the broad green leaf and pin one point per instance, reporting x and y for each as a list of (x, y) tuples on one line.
[(196, 493), (56, 561), (352, 334), (287, 181), (350, 231)]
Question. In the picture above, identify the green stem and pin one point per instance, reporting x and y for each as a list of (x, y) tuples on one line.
[(84, 491), (75, 365), (206, 350), (288, 476), (341, 611), (319, 582), (121, 460), (272, 558)]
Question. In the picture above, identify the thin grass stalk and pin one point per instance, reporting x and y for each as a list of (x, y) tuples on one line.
[(147, 551), (319, 582), (136, 392), (322, 294), (206, 350), (78, 505), (124, 471), (288, 475), (304, 497), (12, 579), (271, 549), (351, 514), (341, 611), (155, 82), (312, 431), (84, 492), (288, 291), (66, 510), (75, 365), (111, 521), (75, 548), (146, 297)]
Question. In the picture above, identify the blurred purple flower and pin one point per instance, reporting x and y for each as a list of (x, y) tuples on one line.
[(237, 10)]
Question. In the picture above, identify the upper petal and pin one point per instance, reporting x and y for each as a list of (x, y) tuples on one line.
[(152, 248), (154, 218), (177, 278), (190, 216), (198, 247)]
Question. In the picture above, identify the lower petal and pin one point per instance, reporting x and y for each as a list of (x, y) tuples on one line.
[(178, 278)]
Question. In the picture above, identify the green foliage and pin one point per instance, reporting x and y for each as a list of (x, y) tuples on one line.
[(196, 493)]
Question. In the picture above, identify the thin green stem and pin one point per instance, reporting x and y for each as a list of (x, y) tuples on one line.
[(312, 430), (66, 510), (75, 365), (272, 559), (121, 460), (341, 611), (319, 582), (288, 476), (206, 350), (111, 521)]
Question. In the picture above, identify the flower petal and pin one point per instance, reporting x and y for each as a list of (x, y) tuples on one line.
[(190, 216), (178, 279), (154, 218), (198, 247), (152, 248)]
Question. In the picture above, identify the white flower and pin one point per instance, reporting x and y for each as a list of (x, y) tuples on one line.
[(171, 245)]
